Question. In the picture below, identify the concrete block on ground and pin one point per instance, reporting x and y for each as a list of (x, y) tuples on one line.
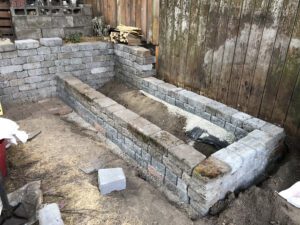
[(51, 42), (50, 215), (27, 44), (111, 180)]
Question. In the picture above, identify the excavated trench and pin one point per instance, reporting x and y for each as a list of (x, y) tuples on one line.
[(159, 114)]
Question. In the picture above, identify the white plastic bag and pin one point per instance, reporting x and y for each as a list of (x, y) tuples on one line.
[(292, 195), (9, 130)]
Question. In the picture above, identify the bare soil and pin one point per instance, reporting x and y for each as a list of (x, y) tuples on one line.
[(152, 110), (57, 155)]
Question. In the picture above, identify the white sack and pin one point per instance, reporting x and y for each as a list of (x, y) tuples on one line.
[(292, 195), (9, 130)]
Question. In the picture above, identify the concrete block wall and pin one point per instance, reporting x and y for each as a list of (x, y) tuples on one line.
[(37, 22), (28, 67)]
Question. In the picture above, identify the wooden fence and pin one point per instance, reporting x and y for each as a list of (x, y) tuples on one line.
[(139, 13), (245, 53)]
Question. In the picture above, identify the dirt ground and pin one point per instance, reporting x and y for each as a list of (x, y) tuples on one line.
[(58, 154), (152, 110)]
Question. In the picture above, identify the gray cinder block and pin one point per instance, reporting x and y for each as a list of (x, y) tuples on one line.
[(111, 180), (50, 215)]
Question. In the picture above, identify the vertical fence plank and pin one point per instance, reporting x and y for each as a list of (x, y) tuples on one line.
[(155, 22), (289, 76), (197, 76), (254, 44), (230, 45), (144, 17), (278, 58), (138, 19), (132, 12), (264, 56), (184, 36), (219, 47), (210, 41), (149, 20), (292, 123), (240, 51), (192, 47)]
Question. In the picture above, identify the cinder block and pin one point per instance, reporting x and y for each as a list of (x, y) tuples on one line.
[(53, 32), (27, 44), (111, 180), (50, 215)]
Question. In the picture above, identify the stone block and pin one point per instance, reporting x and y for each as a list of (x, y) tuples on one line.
[(28, 52), (170, 176), (53, 32), (62, 21), (159, 167), (9, 55), (7, 47), (238, 118), (28, 33), (44, 51), (30, 80), (51, 42), (185, 157), (31, 66), (226, 113), (275, 131), (27, 44), (5, 62), (10, 69), (252, 124), (111, 180), (38, 22), (101, 70), (34, 58), (50, 215), (37, 72), (214, 107)]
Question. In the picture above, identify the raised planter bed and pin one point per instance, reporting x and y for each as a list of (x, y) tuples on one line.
[(192, 179)]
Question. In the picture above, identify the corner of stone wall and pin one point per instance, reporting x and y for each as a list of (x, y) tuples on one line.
[(28, 67)]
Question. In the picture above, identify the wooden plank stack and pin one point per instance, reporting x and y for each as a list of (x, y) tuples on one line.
[(127, 35)]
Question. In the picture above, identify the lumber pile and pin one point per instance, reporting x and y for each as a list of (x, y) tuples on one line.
[(127, 35)]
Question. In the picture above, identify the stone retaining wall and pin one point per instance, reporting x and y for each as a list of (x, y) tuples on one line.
[(28, 67), (188, 177), (224, 116)]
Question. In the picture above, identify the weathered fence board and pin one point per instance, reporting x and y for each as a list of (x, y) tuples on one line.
[(245, 53)]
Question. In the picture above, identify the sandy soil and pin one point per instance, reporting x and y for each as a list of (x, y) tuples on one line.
[(57, 155)]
